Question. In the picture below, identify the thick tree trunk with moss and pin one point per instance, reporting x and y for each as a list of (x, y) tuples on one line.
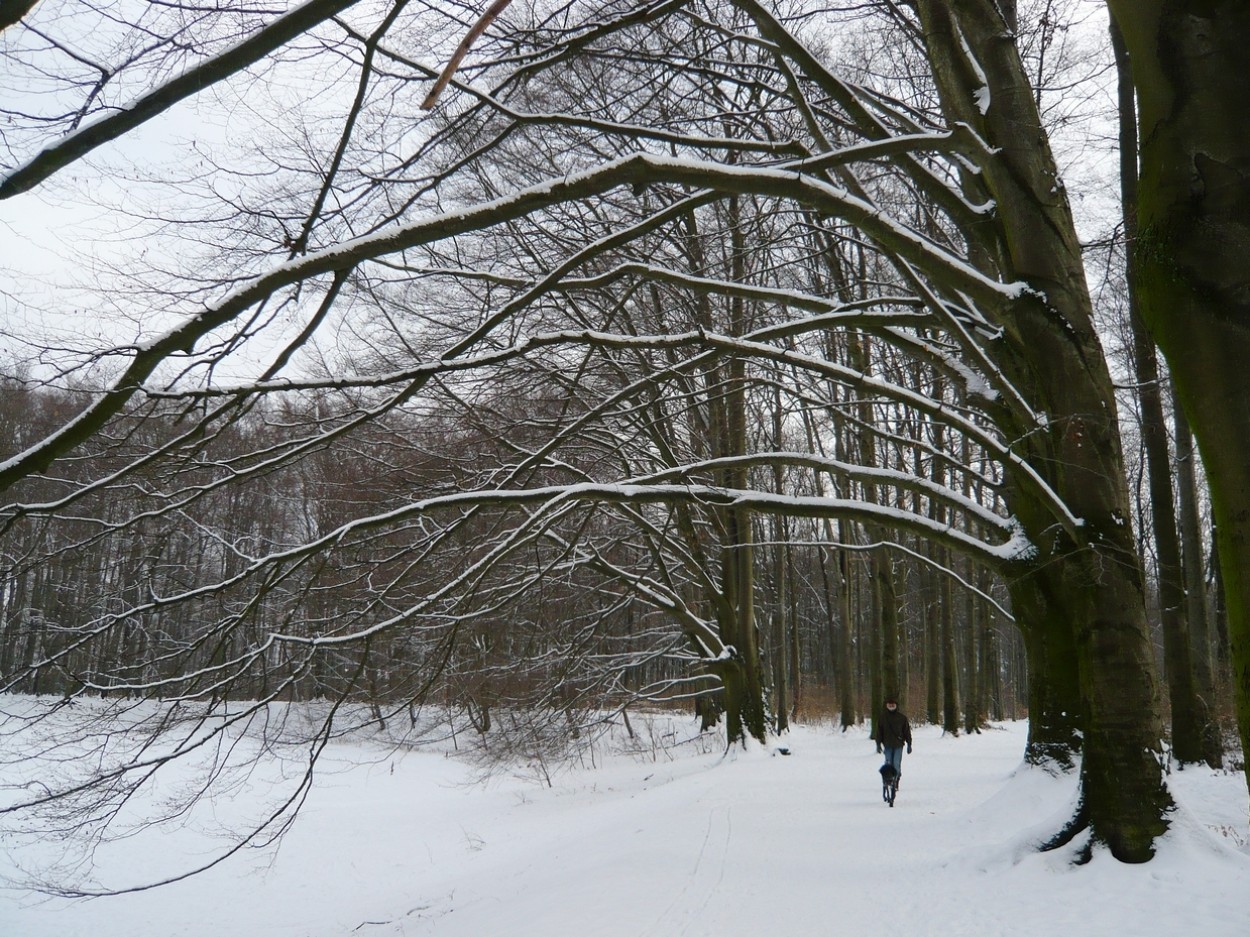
[(1055, 709), (1081, 600), (1187, 721), (1190, 62)]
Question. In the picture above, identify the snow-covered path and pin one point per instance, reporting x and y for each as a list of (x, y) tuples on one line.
[(683, 844)]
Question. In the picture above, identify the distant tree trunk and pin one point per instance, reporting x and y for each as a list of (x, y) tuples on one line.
[(779, 655), (1190, 63), (744, 686), (785, 624), (887, 617), (975, 614), (835, 568), (739, 669), (795, 645), (1193, 561), (903, 642), (1187, 720), (885, 599), (934, 598), (846, 638), (876, 683), (972, 679), (991, 682), (1219, 612), (1195, 591), (932, 649), (950, 655), (741, 672)]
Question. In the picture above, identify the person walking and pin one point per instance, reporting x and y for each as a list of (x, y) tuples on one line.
[(893, 734)]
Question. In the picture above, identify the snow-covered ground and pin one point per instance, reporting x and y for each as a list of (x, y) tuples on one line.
[(676, 840)]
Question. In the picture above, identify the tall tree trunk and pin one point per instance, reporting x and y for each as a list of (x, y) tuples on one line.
[(1193, 252), (882, 572), (950, 657), (724, 432), (972, 679), (1195, 589), (887, 616), (744, 691), (932, 648), (835, 569), (1187, 721), (786, 650), (1081, 602), (1219, 613), (781, 604), (974, 615), (876, 686), (991, 682), (846, 638), (795, 645), (936, 610), (741, 671)]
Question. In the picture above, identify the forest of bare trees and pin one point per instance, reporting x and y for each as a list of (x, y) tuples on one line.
[(817, 594), (737, 356)]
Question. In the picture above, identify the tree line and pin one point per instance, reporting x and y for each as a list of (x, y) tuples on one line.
[(119, 598)]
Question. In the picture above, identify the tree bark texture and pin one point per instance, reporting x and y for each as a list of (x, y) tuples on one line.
[(1190, 61), (1187, 720), (1080, 601)]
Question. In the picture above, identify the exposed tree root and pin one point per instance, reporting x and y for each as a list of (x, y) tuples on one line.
[(1074, 827)]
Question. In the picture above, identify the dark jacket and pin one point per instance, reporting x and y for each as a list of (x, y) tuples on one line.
[(893, 729)]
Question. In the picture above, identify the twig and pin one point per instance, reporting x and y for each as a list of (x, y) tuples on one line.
[(465, 44)]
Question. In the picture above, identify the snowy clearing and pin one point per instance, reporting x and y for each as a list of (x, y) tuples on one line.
[(675, 840)]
